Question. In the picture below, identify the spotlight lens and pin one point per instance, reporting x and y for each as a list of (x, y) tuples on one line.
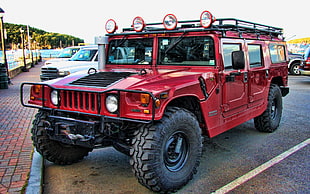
[(170, 22), (110, 26), (206, 19), (138, 24)]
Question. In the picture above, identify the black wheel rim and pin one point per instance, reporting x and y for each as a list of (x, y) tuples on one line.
[(176, 151)]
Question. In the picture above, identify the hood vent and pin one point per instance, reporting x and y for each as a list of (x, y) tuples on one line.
[(101, 79)]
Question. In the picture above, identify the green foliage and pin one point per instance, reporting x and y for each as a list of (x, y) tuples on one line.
[(39, 38)]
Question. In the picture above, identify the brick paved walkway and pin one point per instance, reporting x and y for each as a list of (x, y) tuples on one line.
[(15, 139)]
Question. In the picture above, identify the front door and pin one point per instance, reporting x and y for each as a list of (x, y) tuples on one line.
[(234, 82)]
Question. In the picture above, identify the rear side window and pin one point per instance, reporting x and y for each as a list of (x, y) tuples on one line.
[(228, 48), (255, 55), (277, 53)]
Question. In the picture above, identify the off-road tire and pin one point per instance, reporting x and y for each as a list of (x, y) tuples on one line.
[(270, 119), (165, 155), (51, 150)]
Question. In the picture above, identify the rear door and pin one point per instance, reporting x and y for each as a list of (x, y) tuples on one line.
[(258, 73), (234, 82)]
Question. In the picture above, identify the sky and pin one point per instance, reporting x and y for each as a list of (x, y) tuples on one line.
[(86, 19)]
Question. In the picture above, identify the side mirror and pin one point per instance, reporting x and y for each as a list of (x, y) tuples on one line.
[(238, 61)]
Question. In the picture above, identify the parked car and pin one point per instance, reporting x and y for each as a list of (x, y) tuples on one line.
[(64, 55), (305, 66), (85, 58), (294, 63)]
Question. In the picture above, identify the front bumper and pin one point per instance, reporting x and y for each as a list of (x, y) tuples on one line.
[(71, 131), (304, 72)]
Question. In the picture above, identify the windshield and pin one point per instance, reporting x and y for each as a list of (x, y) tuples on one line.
[(68, 52), (186, 51), (84, 55), (130, 51)]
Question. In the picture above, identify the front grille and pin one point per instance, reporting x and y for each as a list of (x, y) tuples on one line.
[(101, 79), (48, 73), (79, 101)]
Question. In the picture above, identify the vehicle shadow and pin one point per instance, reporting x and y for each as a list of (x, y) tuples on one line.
[(108, 171)]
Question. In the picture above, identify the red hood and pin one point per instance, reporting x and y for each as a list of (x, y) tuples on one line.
[(152, 79)]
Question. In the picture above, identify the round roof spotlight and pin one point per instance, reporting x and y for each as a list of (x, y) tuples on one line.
[(138, 24), (206, 19), (170, 22), (110, 26)]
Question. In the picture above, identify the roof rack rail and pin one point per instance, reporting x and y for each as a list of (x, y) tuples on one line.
[(221, 24), (246, 26)]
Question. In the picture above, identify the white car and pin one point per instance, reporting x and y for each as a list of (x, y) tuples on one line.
[(84, 59), (64, 55)]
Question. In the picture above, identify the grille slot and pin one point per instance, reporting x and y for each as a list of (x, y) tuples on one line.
[(101, 79), (49, 73), (79, 101)]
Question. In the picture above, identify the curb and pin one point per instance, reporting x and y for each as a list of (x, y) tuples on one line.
[(36, 175)]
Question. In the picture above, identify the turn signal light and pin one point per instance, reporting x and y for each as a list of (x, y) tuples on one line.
[(145, 98), (37, 89)]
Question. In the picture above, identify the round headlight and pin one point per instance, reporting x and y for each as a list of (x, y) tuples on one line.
[(170, 22), (110, 26), (54, 97), (206, 19), (138, 24), (111, 103)]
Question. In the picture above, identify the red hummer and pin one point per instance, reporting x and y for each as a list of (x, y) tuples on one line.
[(159, 89)]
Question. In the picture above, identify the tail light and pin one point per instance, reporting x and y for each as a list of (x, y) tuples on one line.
[(307, 62)]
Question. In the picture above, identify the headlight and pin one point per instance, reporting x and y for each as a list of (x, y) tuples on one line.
[(54, 97), (138, 24), (64, 73), (206, 19), (170, 22), (110, 26), (111, 103)]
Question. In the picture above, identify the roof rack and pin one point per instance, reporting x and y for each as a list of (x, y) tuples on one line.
[(222, 24), (245, 26)]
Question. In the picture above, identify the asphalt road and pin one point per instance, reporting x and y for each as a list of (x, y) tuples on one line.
[(226, 157)]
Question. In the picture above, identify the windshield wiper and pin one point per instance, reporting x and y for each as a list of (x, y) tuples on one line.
[(175, 43), (120, 43)]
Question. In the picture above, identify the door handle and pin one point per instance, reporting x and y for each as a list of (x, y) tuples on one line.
[(245, 77)]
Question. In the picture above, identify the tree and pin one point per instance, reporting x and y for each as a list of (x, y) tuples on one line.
[(41, 38)]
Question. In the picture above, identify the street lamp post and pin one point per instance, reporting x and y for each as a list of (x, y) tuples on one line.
[(23, 49), (4, 53)]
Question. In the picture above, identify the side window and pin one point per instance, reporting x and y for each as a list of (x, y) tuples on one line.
[(227, 50), (255, 55), (277, 53)]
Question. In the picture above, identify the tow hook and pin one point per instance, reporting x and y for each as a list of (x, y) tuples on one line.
[(76, 136), (47, 125)]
